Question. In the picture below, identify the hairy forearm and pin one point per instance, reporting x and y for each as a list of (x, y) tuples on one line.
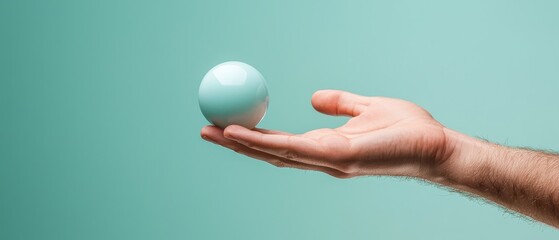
[(523, 180)]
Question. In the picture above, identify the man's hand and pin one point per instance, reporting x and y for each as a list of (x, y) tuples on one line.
[(394, 137), (383, 137)]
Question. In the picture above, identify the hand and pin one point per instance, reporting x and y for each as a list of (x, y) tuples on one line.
[(394, 137), (383, 137)]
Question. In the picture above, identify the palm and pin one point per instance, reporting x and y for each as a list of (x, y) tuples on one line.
[(384, 136)]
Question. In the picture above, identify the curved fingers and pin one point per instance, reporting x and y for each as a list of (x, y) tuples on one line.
[(292, 147), (215, 135)]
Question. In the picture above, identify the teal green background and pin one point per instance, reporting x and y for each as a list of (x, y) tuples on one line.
[(99, 134)]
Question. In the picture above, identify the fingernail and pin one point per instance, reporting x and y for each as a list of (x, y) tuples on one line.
[(207, 139)]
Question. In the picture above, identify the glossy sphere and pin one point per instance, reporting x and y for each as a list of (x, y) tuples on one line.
[(233, 93)]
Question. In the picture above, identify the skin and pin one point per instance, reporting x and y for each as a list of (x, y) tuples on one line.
[(393, 137)]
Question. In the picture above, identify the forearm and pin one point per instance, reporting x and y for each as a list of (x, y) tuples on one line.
[(522, 180)]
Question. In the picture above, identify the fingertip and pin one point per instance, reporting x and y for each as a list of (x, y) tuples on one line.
[(204, 132), (318, 95), (206, 137), (323, 100), (203, 136), (210, 131), (206, 129)]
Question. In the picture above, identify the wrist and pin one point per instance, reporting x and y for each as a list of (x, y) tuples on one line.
[(465, 162)]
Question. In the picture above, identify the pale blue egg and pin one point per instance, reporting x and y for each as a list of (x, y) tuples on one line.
[(233, 93)]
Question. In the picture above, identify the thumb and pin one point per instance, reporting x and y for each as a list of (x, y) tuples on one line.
[(335, 102)]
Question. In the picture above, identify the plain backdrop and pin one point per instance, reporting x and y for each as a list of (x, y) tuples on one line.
[(100, 123)]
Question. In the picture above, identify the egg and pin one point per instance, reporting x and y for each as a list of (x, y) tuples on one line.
[(233, 93)]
